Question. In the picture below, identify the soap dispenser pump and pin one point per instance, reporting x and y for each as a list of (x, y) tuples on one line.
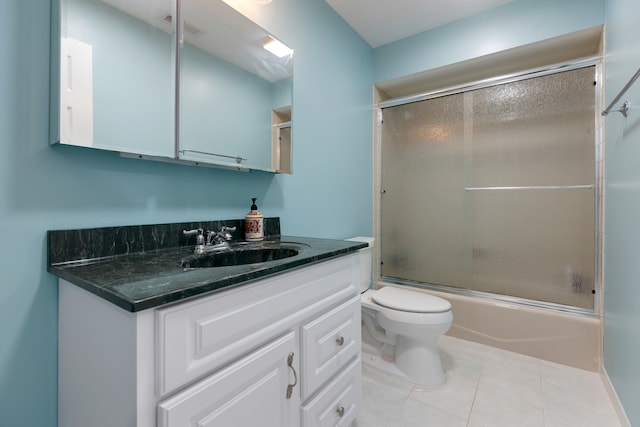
[(253, 224)]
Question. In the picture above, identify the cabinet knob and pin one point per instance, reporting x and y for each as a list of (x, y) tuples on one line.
[(340, 340), (340, 411)]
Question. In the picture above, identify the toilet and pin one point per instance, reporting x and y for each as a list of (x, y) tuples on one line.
[(401, 327)]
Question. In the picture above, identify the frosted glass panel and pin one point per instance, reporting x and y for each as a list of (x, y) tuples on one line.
[(537, 131), (535, 244), (423, 200), (454, 211)]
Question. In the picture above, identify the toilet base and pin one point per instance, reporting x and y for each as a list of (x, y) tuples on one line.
[(377, 362), (419, 361), (377, 358)]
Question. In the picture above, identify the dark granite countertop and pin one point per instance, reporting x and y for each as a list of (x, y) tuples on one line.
[(150, 277)]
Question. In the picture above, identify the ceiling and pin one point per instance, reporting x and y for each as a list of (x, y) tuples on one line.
[(384, 21)]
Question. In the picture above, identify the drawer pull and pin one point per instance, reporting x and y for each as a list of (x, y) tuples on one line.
[(340, 340), (295, 376), (340, 411)]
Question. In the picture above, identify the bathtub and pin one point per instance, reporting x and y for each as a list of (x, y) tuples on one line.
[(566, 338)]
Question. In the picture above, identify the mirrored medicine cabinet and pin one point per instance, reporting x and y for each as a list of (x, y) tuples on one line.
[(186, 81)]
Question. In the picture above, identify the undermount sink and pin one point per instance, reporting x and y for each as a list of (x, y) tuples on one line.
[(239, 256)]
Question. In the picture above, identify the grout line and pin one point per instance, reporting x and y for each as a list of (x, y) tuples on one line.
[(475, 394), (542, 406), (408, 394)]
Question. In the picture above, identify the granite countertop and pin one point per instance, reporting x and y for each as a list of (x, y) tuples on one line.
[(149, 277)]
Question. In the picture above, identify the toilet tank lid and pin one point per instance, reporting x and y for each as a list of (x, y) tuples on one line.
[(410, 301)]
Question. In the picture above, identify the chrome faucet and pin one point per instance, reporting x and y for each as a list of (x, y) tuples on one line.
[(215, 240), (220, 237)]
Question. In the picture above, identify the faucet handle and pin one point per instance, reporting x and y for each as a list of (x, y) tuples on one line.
[(193, 232), (226, 232)]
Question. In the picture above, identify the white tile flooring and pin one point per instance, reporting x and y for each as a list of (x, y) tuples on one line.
[(488, 387)]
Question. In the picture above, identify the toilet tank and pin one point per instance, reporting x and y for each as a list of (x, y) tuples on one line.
[(366, 262)]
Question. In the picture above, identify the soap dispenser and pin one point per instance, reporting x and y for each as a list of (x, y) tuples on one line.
[(253, 224)]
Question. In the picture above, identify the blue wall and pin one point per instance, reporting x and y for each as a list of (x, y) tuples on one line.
[(505, 27), (622, 208), (43, 187)]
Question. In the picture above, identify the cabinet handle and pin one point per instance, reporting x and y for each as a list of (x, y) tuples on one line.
[(340, 340), (340, 411), (295, 376)]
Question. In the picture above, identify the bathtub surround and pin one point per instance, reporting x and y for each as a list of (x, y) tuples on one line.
[(557, 337)]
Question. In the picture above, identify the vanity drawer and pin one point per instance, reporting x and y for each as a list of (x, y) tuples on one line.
[(328, 343), (195, 338), (338, 403)]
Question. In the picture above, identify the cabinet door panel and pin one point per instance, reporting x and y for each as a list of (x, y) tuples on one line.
[(249, 392), (328, 343)]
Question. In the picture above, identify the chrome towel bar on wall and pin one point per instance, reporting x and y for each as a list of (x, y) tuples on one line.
[(625, 106)]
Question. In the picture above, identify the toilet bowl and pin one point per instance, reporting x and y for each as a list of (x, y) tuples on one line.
[(411, 337), (401, 328)]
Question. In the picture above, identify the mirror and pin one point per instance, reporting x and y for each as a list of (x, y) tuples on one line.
[(115, 77), (118, 83), (232, 89)]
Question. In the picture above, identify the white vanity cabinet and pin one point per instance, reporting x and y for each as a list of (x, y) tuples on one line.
[(277, 352)]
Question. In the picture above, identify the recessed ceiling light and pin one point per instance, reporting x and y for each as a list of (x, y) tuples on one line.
[(276, 47), (262, 1)]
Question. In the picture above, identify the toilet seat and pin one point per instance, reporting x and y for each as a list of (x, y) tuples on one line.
[(409, 301)]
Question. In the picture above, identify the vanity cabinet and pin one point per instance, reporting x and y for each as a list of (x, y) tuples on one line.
[(277, 352)]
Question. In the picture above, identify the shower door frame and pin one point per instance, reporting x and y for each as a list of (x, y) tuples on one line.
[(379, 105)]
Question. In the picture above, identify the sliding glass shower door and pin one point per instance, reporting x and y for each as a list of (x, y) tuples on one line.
[(493, 189)]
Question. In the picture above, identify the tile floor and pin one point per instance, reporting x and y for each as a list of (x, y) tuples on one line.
[(488, 387)]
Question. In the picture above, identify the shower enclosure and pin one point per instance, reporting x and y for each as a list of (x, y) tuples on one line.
[(493, 189)]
